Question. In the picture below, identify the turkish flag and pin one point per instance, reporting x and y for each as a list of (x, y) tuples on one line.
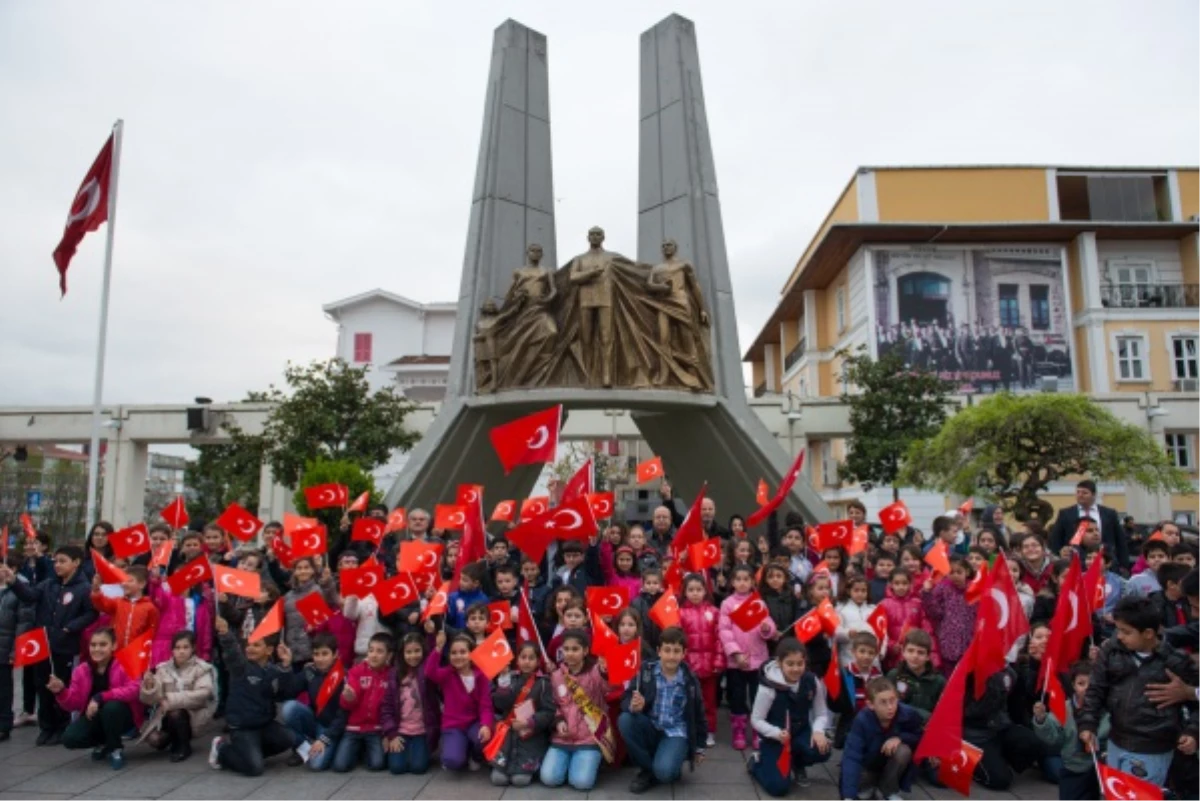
[(603, 637), (88, 210), (839, 533), (161, 556), (533, 507), (966, 506), (416, 556), (329, 685), (473, 545), (176, 513), (603, 504), (504, 511), (232, 581), (691, 529), (938, 558), (326, 496), (957, 770), (650, 470), (784, 763), (977, 586), (437, 604), (468, 493), (129, 542), (665, 612), (499, 615), (31, 647), (830, 620), (281, 550), (833, 677), (27, 525), (943, 730), (187, 576), (785, 487), (396, 593), (493, 654), (492, 749), (608, 600), (581, 484), (107, 571), (859, 540), (763, 495), (1116, 785), (673, 577), (295, 524), (526, 627), (704, 554), (750, 613), (239, 522), (360, 503), (532, 439), (368, 529), (449, 517), (310, 542), (878, 621), (270, 624), (1077, 539), (1071, 624), (1000, 622), (134, 658), (570, 521), (624, 661), (361, 581), (808, 626), (313, 609), (396, 521), (895, 517), (1092, 587), (1056, 701)]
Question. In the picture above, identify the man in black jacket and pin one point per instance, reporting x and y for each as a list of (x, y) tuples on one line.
[(64, 606), (1111, 532), (661, 736)]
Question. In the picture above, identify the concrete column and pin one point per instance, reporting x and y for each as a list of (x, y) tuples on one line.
[(771, 354), (1089, 274), (273, 498), (124, 495)]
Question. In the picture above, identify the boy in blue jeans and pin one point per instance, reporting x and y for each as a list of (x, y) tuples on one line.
[(1143, 738), (662, 718), (320, 727), (880, 745)]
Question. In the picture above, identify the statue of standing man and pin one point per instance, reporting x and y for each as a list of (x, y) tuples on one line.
[(592, 273), (682, 319)]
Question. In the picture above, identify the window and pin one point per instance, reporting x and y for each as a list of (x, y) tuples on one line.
[(1039, 307), (1179, 448), (362, 348), (1133, 284), (829, 467), (1114, 197), (1183, 357), (1010, 306), (839, 298), (1131, 364)]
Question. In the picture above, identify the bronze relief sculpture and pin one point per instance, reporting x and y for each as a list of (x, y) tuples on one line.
[(603, 320)]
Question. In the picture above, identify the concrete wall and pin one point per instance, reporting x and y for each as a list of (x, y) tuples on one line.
[(962, 195)]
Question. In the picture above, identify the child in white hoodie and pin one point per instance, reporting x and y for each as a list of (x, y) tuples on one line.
[(853, 610)]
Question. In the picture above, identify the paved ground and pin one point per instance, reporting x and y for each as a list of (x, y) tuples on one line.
[(27, 771)]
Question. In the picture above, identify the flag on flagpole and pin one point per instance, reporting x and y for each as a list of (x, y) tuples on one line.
[(88, 210)]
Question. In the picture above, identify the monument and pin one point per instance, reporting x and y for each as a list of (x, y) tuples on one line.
[(655, 334)]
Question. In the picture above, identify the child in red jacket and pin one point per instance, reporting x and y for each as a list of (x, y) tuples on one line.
[(699, 619), (367, 685), (132, 615)]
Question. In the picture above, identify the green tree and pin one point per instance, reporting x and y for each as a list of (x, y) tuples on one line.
[(1009, 448), (891, 406), (222, 474), (326, 471), (329, 412)]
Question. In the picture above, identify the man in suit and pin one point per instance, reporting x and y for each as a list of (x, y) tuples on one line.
[(1112, 535)]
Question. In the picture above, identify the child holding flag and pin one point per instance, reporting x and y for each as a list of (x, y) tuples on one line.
[(705, 655), (745, 653)]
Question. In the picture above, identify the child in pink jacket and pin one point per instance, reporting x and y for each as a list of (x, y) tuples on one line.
[(619, 567), (105, 697), (367, 686), (705, 655), (745, 653), (904, 613), (579, 687), (467, 712)]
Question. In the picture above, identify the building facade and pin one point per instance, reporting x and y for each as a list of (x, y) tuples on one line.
[(1027, 279)]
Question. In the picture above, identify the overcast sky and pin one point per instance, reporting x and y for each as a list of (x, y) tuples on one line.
[(279, 156)]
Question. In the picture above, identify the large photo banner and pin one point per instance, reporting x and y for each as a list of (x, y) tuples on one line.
[(988, 319)]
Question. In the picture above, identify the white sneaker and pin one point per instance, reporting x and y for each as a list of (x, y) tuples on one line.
[(895, 797), (711, 742), (24, 719), (213, 761)]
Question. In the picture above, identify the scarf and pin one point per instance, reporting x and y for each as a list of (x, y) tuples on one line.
[(596, 720)]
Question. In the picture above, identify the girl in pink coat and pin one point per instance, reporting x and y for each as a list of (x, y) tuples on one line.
[(705, 654), (745, 653), (105, 697), (904, 612), (620, 569), (192, 611)]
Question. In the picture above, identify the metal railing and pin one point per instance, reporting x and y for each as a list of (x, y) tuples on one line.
[(1150, 296)]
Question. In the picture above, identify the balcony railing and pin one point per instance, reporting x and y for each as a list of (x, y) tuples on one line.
[(1150, 296), (795, 354), (760, 390)]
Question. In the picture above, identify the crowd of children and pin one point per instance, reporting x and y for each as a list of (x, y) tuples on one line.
[(851, 651)]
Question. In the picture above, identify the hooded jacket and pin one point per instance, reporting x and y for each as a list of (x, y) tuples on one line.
[(705, 656), (954, 619), (919, 692), (523, 753), (172, 618), (752, 644), (595, 685), (192, 687), (332, 716), (78, 693), (902, 613), (865, 742), (371, 686), (461, 707), (253, 688), (63, 607), (130, 619), (693, 706)]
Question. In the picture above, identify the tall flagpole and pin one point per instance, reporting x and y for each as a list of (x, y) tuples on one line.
[(98, 390)]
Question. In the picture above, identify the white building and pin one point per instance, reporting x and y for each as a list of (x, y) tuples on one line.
[(405, 343)]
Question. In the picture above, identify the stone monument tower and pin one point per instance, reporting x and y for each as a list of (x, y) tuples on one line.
[(656, 335)]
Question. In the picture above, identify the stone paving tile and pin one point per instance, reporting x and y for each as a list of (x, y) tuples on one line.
[(378, 786), (12, 796), (218, 784), (71, 782), (141, 782), (301, 783)]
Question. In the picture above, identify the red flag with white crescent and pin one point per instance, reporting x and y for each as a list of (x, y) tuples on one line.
[(957, 770), (368, 529), (532, 439), (493, 654), (187, 576), (624, 661), (176, 513), (326, 496), (750, 613), (134, 658), (270, 624), (88, 210), (785, 487), (243, 583), (239, 522), (580, 484), (396, 593), (1119, 786), (31, 647), (330, 684), (130, 542)]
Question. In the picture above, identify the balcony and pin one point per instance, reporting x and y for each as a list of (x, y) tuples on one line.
[(795, 354), (1150, 296)]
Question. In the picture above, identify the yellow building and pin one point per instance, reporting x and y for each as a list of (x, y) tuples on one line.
[(1025, 278)]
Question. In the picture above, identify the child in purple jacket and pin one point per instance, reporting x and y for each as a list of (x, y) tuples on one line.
[(467, 715), (105, 696), (953, 618)]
